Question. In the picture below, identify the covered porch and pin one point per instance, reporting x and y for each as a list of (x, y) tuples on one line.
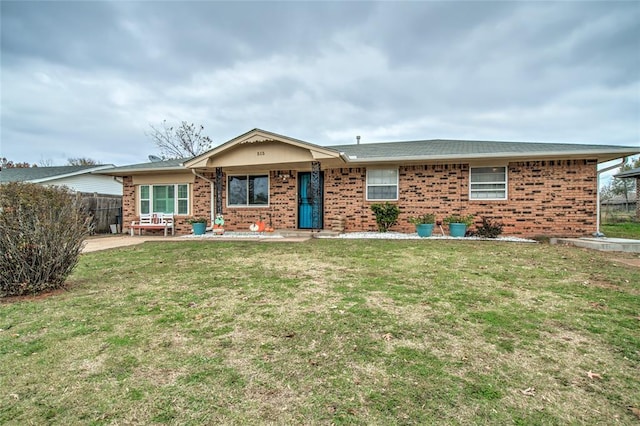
[(262, 176)]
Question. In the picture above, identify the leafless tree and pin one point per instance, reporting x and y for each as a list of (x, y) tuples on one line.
[(81, 161), (8, 164), (185, 140)]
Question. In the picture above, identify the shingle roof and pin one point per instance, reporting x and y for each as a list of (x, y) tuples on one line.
[(31, 174), (443, 148), (173, 164), (629, 173), (421, 150)]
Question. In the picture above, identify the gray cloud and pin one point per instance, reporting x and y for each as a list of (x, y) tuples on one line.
[(86, 78)]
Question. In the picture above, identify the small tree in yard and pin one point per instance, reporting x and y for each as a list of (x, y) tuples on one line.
[(185, 140), (42, 230), (386, 215)]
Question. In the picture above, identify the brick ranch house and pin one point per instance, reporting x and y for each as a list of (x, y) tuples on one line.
[(533, 188)]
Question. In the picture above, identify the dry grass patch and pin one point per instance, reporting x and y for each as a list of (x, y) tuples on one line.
[(363, 332)]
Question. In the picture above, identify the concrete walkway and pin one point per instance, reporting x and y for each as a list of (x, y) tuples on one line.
[(114, 241), (105, 242), (602, 243)]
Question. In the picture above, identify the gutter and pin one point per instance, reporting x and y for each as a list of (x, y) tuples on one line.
[(598, 233), (212, 192), (516, 156)]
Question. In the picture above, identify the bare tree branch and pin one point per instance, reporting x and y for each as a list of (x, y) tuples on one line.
[(81, 161), (185, 140)]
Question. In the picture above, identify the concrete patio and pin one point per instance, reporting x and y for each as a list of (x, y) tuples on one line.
[(602, 243)]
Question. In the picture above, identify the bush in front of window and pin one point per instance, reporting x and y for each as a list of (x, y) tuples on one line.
[(386, 215), (42, 230)]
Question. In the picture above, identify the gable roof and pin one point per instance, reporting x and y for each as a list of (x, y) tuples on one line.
[(43, 174), (629, 173), (447, 149), (258, 135)]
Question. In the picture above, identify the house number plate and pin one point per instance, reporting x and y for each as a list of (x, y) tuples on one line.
[(260, 153)]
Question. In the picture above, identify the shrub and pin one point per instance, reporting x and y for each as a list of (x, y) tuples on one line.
[(386, 215), (42, 230), (197, 220), (489, 229), (423, 219), (457, 218)]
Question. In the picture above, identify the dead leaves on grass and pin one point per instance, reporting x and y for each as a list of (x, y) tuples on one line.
[(528, 391), (593, 375), (531, 391)]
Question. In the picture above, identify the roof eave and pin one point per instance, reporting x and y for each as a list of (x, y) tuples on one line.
[(600, 155), (142, 170)]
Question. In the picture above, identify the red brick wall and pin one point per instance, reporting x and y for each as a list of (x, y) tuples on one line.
[(281, 212), (638, 198), (544, 197), (200, 205), (553, 198), (128, 203)]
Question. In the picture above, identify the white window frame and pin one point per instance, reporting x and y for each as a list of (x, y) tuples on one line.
[(248, 175), (175, 199), (473, 191), (397, 185)]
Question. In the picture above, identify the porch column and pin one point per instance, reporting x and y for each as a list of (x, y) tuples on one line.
[(316, 196), (218, 191)]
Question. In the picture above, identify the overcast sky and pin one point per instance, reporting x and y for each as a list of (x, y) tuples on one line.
[(86, 78)]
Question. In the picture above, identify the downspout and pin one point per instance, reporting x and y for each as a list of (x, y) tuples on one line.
[(211, 184), (598, 233)]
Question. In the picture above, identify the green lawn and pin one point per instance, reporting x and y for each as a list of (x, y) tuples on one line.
[(622, 230), (328, 331)]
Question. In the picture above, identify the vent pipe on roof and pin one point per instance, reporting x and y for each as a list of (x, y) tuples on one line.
[(357, 140)]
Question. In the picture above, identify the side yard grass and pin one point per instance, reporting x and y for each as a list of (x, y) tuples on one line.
[(622, 230), (329, 332)]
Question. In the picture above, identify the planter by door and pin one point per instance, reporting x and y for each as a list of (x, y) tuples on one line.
[(199, 228), (457, 229), (424, 229)]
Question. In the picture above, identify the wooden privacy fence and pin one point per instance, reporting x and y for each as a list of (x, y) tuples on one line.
[(105, 209)]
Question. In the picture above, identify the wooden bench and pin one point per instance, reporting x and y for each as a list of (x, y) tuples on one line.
[(162, 221)]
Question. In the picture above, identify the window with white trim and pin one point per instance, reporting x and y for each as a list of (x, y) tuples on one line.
[(488, 183), (382, 184), (247, 190), (164, 199)]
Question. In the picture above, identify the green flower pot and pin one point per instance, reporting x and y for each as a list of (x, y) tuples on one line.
[(424, 229), (457, 229), (199, 228)]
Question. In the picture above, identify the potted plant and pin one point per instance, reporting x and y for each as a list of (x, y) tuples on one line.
[(458, 224), (424, 224), (198, 225)]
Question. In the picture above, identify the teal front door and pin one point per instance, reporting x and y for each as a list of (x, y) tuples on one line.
[(309, 205)]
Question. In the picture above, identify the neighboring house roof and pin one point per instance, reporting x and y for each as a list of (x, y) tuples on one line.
[(43, 174), (620, 199), (629, 173)]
